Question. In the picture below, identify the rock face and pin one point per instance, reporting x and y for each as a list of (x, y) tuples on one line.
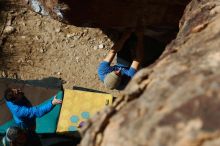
[(176, 101), (111, 13)]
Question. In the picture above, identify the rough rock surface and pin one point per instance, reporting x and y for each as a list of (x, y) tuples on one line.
[(176, 101)]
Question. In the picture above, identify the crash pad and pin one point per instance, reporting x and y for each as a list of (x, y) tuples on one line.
[(78, 106), (48, 123)]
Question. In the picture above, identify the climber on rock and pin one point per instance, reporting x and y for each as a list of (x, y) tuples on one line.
[(116, 76)]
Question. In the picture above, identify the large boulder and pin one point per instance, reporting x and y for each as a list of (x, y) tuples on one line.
[(175, 101), (111, 13)]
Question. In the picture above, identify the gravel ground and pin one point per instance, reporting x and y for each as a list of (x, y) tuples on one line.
[(36, 48)]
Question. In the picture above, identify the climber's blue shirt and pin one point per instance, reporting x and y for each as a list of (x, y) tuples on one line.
[(25, 115), (105, 68)]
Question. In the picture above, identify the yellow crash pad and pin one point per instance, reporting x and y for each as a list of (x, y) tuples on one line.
[(78, 106)]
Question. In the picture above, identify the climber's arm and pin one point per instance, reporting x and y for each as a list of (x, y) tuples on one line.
[(117, 47), (139, 56)]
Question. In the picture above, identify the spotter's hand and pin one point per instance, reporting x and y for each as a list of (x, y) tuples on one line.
[(56, 101)]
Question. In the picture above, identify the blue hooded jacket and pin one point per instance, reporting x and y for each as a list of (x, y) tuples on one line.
[(25, 115)]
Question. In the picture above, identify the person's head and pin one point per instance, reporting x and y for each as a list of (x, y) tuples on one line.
[(13, 94), (16, 136), (112, 79)]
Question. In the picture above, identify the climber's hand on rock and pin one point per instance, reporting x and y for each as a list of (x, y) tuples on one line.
[(119, 44)]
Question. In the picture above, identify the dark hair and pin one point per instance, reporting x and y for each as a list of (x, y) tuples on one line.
[(13, 133), (9, 95)]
